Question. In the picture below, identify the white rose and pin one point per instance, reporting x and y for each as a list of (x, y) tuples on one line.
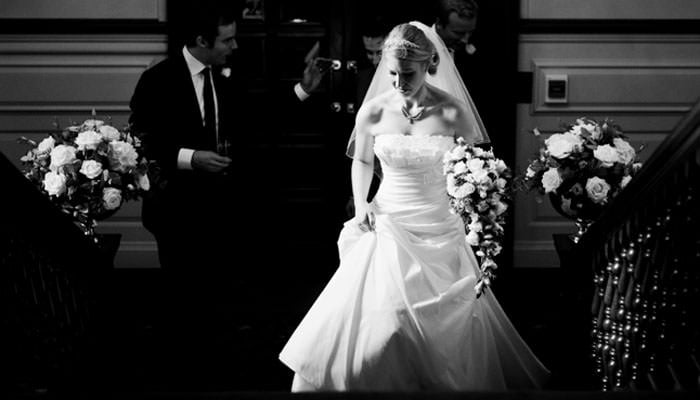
[(91, 168), (112, 198), (143, 182), (458, 153), (501, 208), (625, 151), (481, 176), (625, 180), (226, 72), (560, 145), (597, 189), (473, 238), (88, 140), (475, 226), (475, 165), (46, 145), (464, 190), (551, 180), (62, 155), (501, 183), (122, 155), (110, 133), (501, 166), (478, 151), (91, 124), (460, 168), (592, 129), (606, 154), (530, 172), (576, 129), (54, 183), (486, 183)]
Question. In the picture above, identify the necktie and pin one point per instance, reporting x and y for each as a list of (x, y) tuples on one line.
[(209, 108)]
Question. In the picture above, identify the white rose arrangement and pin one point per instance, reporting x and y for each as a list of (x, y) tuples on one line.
[(478, 186), (88, 170), (583, 168)]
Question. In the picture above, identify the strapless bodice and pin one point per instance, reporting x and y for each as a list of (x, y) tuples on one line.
[(411, 152), (412, 174)]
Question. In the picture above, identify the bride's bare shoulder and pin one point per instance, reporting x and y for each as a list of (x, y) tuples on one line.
[(450, 107), (372, 110), (444, 99)]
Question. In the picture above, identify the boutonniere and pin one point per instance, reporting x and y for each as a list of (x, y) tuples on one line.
[(470, 49), (226, 72)]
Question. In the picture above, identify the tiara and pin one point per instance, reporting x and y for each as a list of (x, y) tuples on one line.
[(401, 45)]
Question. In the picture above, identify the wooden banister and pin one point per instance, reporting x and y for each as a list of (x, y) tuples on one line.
[(644, 252)]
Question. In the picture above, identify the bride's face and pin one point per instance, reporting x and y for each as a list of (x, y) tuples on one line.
[(407, 77)]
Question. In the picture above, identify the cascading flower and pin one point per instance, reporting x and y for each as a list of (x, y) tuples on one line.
[(478, 187)]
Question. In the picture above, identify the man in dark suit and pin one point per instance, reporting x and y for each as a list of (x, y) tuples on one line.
[(456, 23), (185, 112), (204, 208)]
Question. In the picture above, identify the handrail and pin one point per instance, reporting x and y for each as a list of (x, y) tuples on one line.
[(672, 151), (53, 279), (643, 252)]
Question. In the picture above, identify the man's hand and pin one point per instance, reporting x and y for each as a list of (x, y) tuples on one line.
[(313, 73), (209, 161)]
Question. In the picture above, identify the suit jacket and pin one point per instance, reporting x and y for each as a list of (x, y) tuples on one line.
[(165, 112)]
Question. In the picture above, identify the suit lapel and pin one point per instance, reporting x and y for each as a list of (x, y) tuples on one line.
[(183, 78)]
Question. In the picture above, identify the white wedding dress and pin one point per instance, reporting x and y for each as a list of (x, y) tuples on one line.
[(400, 313)]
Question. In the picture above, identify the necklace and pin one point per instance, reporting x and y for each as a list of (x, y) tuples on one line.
[(412, 117)]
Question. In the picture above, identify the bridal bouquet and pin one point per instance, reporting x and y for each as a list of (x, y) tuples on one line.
[(477, 185), (583, 168), (88, 170)]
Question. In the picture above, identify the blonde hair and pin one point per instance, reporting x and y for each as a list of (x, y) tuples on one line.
[(408, 42)]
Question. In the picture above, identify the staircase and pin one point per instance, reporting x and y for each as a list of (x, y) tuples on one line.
[(645, 255)]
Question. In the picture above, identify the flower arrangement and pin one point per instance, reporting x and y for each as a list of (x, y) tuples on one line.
[(478, 189), (583, 168), (88, 170)]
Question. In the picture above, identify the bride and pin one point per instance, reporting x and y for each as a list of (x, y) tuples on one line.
[(401, 312)]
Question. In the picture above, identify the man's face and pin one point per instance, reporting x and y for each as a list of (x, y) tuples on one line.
[(373, 48), (223, 46), (457, 31)]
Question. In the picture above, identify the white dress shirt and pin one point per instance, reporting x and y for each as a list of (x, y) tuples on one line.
[(184, 156)]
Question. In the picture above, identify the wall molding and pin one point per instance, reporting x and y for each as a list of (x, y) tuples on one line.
[(606, 10), (634, 71), (71, 44), (535, 254), (612, 26), (597, 38), (38, 69)]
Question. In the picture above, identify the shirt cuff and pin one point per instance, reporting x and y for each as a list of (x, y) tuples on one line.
[(301, 93), (184, 159)]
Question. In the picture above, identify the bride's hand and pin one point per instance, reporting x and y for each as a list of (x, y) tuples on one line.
[(364, 217)]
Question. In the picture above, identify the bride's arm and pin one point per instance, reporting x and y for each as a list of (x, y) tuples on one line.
[(363, 167)]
